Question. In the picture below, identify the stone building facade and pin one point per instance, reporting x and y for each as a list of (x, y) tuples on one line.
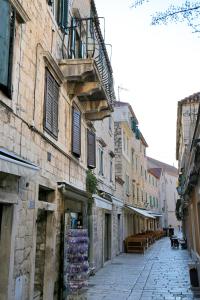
[(130, 169), (187, 154), (106, 239), (50, 91), (167, 192)]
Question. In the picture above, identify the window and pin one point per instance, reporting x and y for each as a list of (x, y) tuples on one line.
[(51, 105), (110, 123), (60, 10), (124, 142), (127, 184), (100, 161), (127, 146), (151, 203), (76, 131), (138, 196), (132, 157), (133, 190), (141, 171), (91, 149), (145, 175), (7, 24), (111, 169)]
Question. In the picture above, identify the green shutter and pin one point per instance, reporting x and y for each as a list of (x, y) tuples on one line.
[(6, 43), (73, 37), (133, 124), (137, 133), (64, 14)]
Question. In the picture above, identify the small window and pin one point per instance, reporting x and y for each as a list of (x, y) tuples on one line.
[(133, 190), (51, 105), (60, 10), (127, 184), (110, 123), (151, 202), (124, 142), (7, 25), (111, 170), (132, 157), (91, 149), (76, 131), (101, 161), (138, 196)]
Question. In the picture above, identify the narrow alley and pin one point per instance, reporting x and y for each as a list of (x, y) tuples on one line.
[(161, 273)]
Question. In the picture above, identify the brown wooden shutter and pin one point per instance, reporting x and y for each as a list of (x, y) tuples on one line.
[(91, 149), (76, 132), (51, 105)]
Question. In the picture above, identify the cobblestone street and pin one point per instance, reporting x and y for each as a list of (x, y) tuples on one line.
[(162, 273)]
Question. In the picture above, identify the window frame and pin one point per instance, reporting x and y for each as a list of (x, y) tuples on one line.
[(50, 131), (7, 89), (101, 161), (76, 154), (91, 133)]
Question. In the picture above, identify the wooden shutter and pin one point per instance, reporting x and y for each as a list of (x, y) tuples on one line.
[(7, 20), (91, 149), (76, 132), (64, 14), (51, 105)]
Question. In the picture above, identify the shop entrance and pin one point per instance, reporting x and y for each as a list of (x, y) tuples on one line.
[(119, 232), (6, 216), (107, 237), (40, 252)]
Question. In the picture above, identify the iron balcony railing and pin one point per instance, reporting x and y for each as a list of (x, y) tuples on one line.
[(85, 41)]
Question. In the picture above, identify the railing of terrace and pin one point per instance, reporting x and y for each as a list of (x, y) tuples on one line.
[(86, 42)]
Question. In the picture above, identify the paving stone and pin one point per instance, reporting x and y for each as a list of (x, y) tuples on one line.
[(160, 274)]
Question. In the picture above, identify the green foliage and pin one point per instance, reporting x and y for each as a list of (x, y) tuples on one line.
[(91, 182)]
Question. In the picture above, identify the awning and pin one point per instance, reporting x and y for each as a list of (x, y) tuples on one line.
[(102, 202), (71, 192), (156, 214), (140, 212), (15, 165), (116, 201)]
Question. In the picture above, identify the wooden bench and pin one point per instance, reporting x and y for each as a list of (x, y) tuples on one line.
[(135, 245)]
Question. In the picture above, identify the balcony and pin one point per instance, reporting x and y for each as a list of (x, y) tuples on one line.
[(87, 69)]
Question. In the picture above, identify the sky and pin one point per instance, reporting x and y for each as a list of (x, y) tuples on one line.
[(158, 65)]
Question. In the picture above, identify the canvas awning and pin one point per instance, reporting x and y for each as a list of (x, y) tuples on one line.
[(15, 165), (102, 202), (156, 214), (141, 212), (116, 201), (71, 192)]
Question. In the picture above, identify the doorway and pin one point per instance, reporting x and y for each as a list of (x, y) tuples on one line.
[(119, 232), (107, 238), (40, 252)]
